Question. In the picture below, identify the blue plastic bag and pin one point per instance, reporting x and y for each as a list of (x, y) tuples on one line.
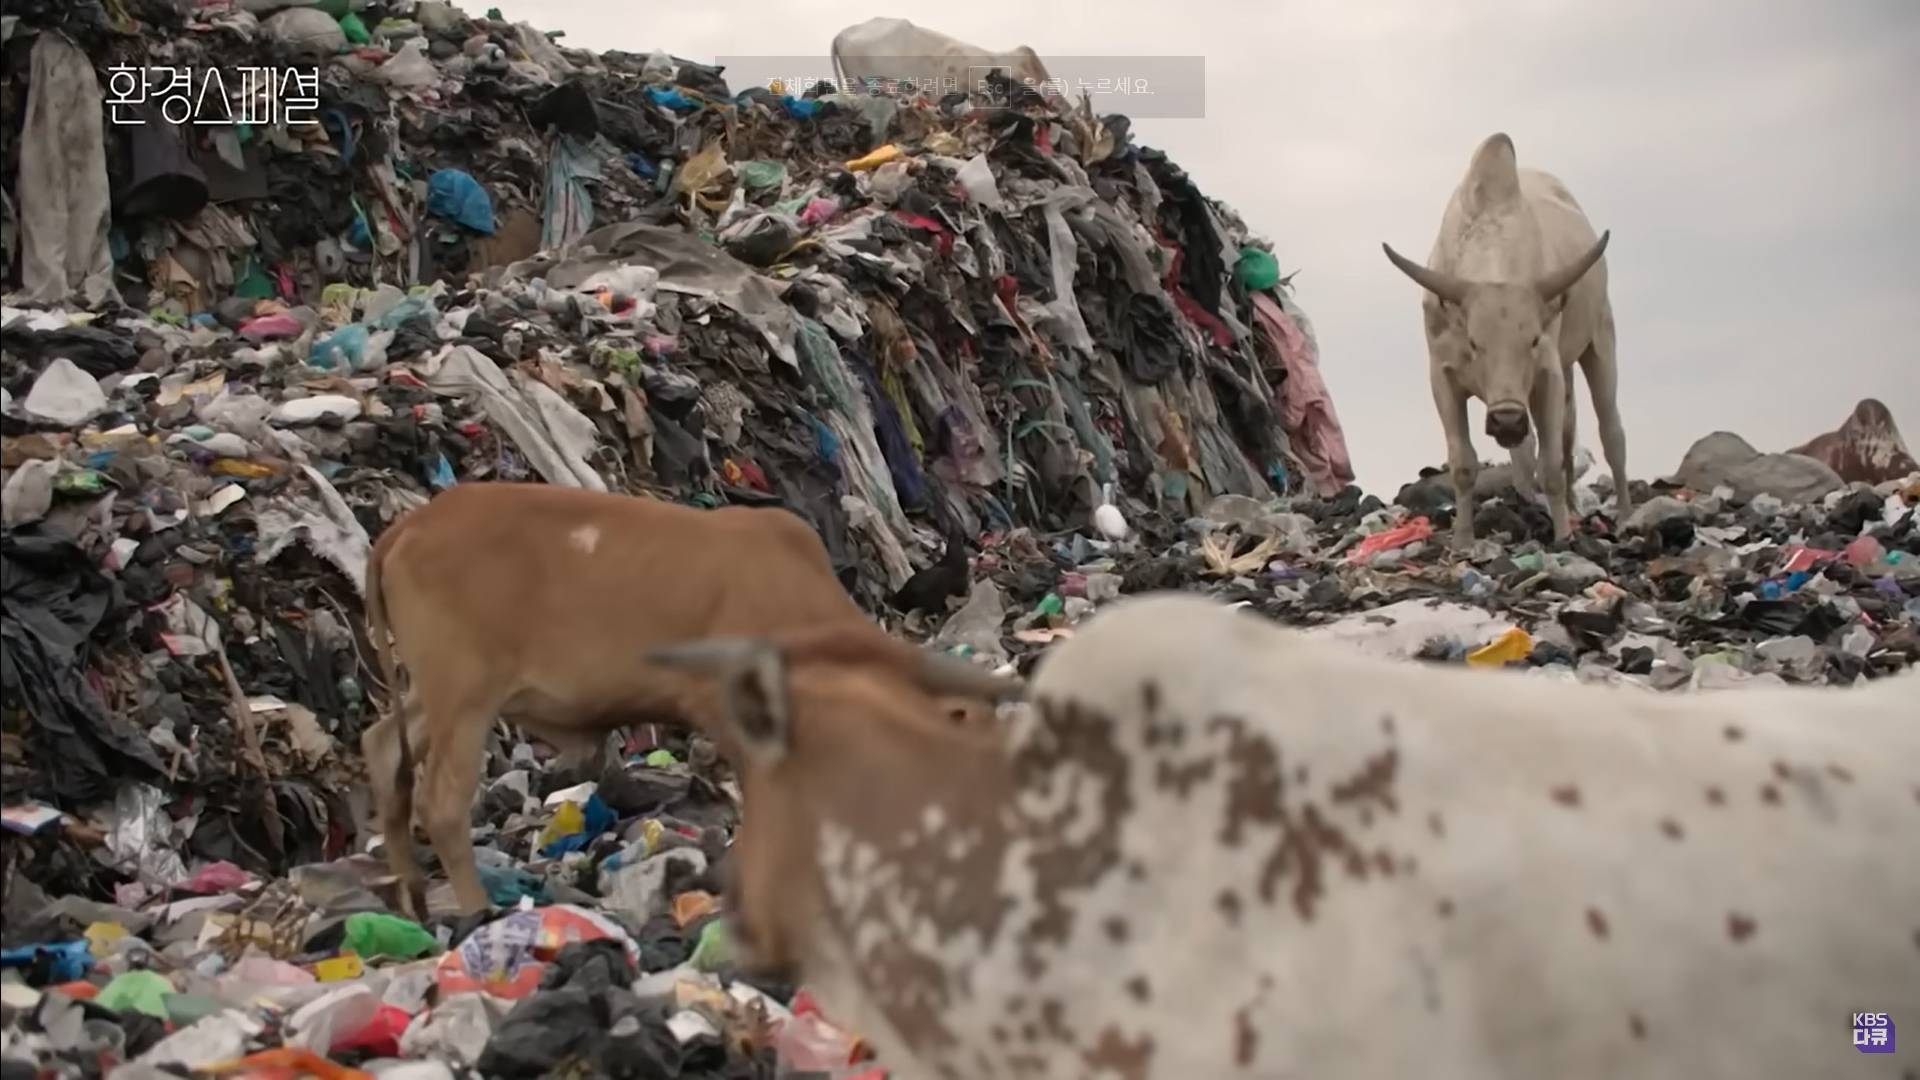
[(456, 196), (344, 348), (669, 98), (66, 960)]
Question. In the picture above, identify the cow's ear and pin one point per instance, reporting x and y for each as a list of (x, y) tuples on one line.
[(753, 683)]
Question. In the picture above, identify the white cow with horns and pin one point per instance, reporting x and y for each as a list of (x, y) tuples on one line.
[(1516, 293)]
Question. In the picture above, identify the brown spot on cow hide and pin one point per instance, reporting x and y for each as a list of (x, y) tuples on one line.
[(1150, 697), (1229, 904), (1129, 1060), (1769, 795), (1637, 1026), (1672, 829), (1082, 748), (1137, 986), (1445, 908), (1781, 770), (1734, 734), (1383, 861), (1436, 825), (1300, 775), (1840, 773), (1386, 724), (1597, 923), (1374, 782), (1740, 927), (1566, 795), (1116, 928), (1053, 1019), (1246, 1042), (1181, 779), (1716, 797)]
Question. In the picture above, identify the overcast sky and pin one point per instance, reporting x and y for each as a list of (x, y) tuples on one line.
[(1755, 159)]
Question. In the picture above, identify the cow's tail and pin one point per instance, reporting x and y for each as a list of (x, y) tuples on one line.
[(389, 675), (839, 70)]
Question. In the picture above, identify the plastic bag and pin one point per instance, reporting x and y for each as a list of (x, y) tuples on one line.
[(1391, 539), (64, 394), (373, 934), (306, 410), (507, 957), (345, 348), (141, 991), (761, 175), (455, 195), (574, 826), (409, 68), (702, 170), (976, 179), (306, 29), (271, 327), (217, 877), (1257, 269), (354, 29)]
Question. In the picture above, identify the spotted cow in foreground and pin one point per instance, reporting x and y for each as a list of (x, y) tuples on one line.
[(1216, 848)]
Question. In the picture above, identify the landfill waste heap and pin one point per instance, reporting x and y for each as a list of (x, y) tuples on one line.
[(235, 352)]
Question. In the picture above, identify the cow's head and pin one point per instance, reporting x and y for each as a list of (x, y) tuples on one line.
[(839, 725), (1507, 331)]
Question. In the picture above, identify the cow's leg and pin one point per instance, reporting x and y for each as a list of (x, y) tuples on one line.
[(1602, 384), (449, 782), (1462, 464), (1569, 424), (1549, 404), (380, 748)]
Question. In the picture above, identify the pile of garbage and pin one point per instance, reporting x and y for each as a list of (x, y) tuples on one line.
[(279, 271), (1003, 345)]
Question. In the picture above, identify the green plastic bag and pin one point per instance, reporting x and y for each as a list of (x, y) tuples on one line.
[(1257, 270), (373, 934), (715, 950), (141, 991), (760, 175), (355, 30)]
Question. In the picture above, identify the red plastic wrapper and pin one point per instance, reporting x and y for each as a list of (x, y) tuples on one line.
[(1417, 529)]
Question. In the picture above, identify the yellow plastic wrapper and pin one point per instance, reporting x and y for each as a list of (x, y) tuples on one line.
[(1513, 645), (879, 157)]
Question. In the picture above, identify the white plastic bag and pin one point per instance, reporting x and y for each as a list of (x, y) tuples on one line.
[(410, 68)]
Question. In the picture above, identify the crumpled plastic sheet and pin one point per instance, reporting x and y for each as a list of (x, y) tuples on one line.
[(141, 836), (560, 456), (324, 522)]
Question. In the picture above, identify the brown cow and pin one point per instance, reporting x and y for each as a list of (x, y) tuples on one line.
[(538, 604)]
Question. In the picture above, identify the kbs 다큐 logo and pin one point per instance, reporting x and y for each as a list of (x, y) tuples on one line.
[(1873, 1032)]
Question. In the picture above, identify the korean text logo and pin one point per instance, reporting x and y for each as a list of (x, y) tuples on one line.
[(1873, 1032)]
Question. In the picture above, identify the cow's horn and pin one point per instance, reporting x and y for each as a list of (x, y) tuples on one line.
[(1552, 285), (1445, 286)]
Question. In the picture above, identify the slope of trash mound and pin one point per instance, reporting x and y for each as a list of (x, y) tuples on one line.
[(234, 353)]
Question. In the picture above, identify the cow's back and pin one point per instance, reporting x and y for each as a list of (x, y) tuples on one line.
[(574, 586), (1566, 233), (1323, 864)]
